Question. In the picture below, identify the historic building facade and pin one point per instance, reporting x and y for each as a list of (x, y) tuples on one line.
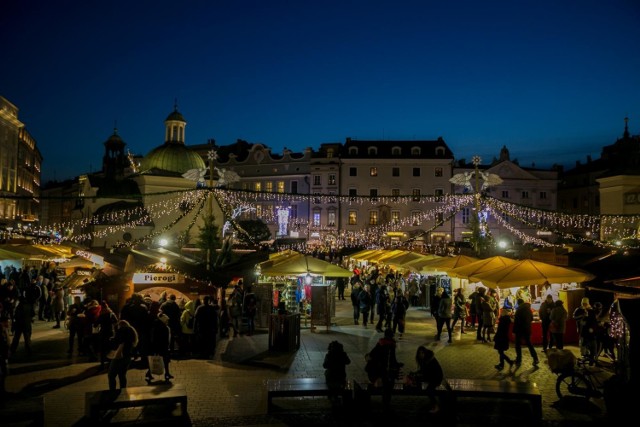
[(20, 163)]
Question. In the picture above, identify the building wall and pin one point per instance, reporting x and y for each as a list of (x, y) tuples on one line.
[(20, 163)]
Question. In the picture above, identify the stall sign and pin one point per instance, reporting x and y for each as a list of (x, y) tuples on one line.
[(96, 259), (158, 278), (83, 272)]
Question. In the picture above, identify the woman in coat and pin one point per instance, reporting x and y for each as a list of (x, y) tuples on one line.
[(501, 338)]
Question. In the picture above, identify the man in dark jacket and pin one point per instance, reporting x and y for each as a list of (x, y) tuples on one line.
[(205, 328), (171, 308), (355, 302), (522, 330)]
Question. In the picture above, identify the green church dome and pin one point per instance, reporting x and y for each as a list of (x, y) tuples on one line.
[(172, 157)]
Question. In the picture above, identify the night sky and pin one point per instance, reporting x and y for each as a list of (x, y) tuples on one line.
[(551, 80)]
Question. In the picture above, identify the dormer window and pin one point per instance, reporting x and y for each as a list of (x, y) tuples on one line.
[(415, 151), (396, 151), (329, 153), (373, 151), (440, 151), (353, 151)]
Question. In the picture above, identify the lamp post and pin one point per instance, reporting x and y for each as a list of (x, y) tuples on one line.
[(211, 156)]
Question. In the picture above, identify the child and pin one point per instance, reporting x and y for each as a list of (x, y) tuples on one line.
[(501, 338), (335, 362)]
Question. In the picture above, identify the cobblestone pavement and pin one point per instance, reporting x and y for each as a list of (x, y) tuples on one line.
[(229, 389)]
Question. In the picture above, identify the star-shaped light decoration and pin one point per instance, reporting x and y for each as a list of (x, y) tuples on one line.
[(212, 155)]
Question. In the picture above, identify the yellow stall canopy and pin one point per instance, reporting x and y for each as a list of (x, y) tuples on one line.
[(299, 264)]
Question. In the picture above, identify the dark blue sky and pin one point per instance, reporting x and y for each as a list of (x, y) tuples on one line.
[(551, 80)]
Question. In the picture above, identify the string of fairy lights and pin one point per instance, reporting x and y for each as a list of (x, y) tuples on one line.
[(433, 207)]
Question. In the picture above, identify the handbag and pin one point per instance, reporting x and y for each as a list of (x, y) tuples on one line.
[(156, 365)]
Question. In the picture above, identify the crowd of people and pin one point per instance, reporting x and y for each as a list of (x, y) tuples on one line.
[(168, 327)]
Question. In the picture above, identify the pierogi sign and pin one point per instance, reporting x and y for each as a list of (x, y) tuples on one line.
[(158, 278)]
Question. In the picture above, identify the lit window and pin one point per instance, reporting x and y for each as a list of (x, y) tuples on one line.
[(316, 219), (332, 179), (373, 171), (438, 172), (373, 218), (395, 193), (268, 187), (415, 218), (257, 186), (353, 218), (395, 217), (280, 186), (332, 219)]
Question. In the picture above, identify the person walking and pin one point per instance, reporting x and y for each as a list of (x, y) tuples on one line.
[(187, 321), (545, 319), (365, 300), (22, 324), (335, 373), (124, 341), (235, 308), (558, 324), (160, 340), (489, 308), (477, 304), (383, 367), (57, 304), (205, 328), (459, 310), (355, 302), (75, 316), (108, 321), (172, 310), (382, 306), (444, 316), (399, 309), (250, 306), (522, 329), (501, 338), (341, 284)]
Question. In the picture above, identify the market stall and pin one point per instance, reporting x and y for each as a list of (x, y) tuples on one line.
[(301, 284)]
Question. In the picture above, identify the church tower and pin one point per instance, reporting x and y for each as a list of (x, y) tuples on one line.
[(114, 161), (174, 127)]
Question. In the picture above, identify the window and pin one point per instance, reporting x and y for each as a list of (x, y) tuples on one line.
[(395, 192), (439, 151), (543, 195), (415, 218), (415, 195), (353, 171), (293, 211), (395, 217), (352, 194), (372, 151), (353, 218), (257, 186), (395, 171), (525, 194), (505, 194), (465, 215), (316, 197), (438, 172), (294, 187), (258, 211), (331, 222), (280, 186), (332, 198), (416, 171), (373, 171), (329, 153), (316, 218), (439, 192), (353, 151), (505, 217), (246, 186), (268, 186), (373, 218), (332, 179), (316, 180), (415, 151), (373, 193), (396, 151)]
